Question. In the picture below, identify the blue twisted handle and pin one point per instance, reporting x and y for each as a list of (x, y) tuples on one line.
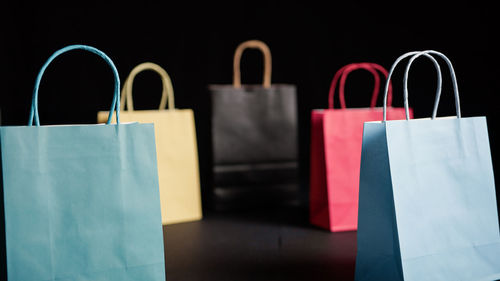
[(116, 98)]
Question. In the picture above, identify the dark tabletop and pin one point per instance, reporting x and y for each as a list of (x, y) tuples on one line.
[(265, 245)]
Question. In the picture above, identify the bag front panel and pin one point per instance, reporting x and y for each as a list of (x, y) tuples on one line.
[(444, 196), (254, 124), (81, 201)]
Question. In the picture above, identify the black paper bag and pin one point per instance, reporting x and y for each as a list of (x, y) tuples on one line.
[(254, 138)]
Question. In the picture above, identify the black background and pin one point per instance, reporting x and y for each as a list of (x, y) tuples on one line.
[(195, 43)]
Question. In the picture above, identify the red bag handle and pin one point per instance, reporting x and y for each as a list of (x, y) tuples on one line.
[(345, 70)]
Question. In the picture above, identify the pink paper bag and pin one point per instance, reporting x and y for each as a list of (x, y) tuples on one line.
[(336, 136)]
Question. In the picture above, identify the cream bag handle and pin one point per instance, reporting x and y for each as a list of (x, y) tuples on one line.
[(168, 90)]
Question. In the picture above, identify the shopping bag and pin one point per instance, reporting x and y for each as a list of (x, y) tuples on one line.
[(81, 202), (336, 151), (176, 148), (254, 139), (427, 207)]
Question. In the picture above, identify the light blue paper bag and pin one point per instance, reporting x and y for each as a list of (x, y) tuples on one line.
[(427, 207), (81, 202)]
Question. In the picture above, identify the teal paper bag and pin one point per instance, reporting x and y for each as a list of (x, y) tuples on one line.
[(81, 201), (427, 205)]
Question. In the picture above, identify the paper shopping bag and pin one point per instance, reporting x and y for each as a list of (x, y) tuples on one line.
[(254, 138), (81, 202), (176, 148), (427, 207), (336, 152)]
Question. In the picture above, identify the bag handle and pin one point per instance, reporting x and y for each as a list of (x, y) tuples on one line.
[(253, 44), (345, 70), (115, 105), (391, 71), (168, 90), (436, 102)]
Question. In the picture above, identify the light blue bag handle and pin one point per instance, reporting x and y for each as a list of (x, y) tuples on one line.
[(436, 102), (116, 98), (439, 81)]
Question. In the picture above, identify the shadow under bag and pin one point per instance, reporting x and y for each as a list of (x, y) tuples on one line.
[(81, 201), (427, 204)]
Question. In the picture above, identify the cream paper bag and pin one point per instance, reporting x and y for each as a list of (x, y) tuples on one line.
[(176, 148)]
